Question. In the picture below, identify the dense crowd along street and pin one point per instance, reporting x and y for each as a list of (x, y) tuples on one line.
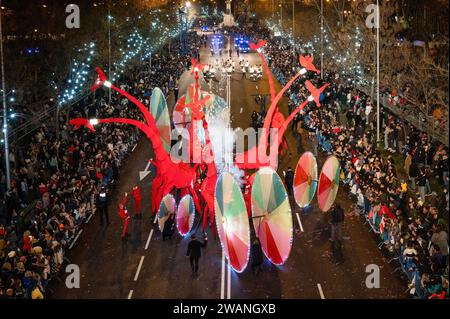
[(89, 191)]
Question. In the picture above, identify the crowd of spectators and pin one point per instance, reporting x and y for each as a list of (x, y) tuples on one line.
[(55, 178), (59, 173), (391, 184)]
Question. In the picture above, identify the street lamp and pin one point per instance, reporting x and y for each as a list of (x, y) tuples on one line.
[(5, 111), (109, 49), (293, 20), (378, 72), (183, 24), (321, 39)]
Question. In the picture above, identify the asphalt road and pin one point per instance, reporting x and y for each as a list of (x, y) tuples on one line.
[(147, 267)]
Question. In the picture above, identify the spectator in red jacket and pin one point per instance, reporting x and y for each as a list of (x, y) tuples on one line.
[(123, 214), (137, 196), (26, 247)]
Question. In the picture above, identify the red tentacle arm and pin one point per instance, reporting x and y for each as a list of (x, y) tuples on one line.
[(151, 135), (242, 159), (283, 128), (273, 105), (258, 47), (169, 174), (269, 76), (102, 81), (145, 112)]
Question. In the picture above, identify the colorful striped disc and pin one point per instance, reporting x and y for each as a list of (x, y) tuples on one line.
[(305, 179), (166, 208), (272, 218), (232, 221), (158, 108), (328, 183), (185, 215)]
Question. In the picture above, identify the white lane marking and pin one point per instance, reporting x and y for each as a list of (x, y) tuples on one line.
[(75, 240), (229, 282), (148, 240), (322, 296), (130, 294), (139, 268), (299, 222), (145, 172), (222, 283), (89, 218)]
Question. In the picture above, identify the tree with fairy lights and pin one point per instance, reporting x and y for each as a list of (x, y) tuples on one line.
[(411, 73)]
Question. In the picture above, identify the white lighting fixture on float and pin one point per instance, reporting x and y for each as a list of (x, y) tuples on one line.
[(93, 122)]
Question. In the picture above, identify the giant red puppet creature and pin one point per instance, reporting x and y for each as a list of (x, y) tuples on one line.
[(171, 176)]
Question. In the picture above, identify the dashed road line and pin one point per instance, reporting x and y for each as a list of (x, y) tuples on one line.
[(322, 296), (229, 282), (139, 268), (299, 222), (222, 283), (148, 239), (89, 218), (75, 240), (130, 294)]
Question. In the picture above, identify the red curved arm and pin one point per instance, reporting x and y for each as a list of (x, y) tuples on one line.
[(145, 112), (102, 80), (289, 120), (256, 47)]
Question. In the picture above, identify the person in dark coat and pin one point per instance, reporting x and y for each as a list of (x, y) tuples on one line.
[(168, 227), (102, 205), (413, 174), (257, 256), (194, 252), (422, 182), (289, 180), (176, 91), (337, 221)]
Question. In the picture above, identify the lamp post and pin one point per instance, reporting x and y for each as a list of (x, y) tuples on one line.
[(109, 50), (187, 6), (183, 25), (5, 111), (321, 39), (273, 9), (378, 71), (229, 72), (281, 15), (293, 19)]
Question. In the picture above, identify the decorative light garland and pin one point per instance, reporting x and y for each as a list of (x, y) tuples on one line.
[(135, 44), (77, 79)]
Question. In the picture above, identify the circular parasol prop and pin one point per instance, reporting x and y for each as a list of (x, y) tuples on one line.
[(160, 112), (328, 183), (272, 217), (232, 221), (305, 179), (185, 215), (166, 208), (181, 115)]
